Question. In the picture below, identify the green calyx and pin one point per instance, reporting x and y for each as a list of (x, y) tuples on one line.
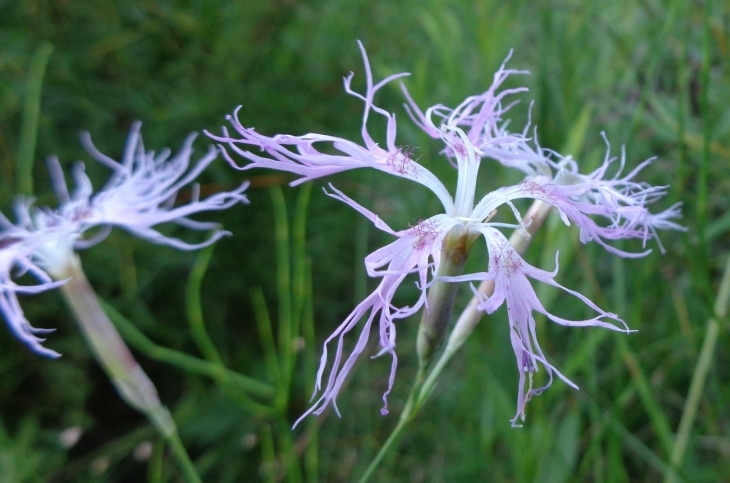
[(454, 252)]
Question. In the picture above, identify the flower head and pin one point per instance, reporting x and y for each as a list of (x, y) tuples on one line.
[(138, 197), (604, 209), (17, 246)]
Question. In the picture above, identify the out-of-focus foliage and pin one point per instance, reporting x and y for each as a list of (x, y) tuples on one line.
[(651, 74)]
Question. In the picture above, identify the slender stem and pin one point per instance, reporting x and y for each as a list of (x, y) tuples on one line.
[(405, 418), (288, 461), (441, 295), (204, 342), (154, 464), (283, 293), (195, 309), (299, 252), (29, 123), (191, 475), (268, 454), (704, 363), (656, 415), (111, 352), (430, 381), (109, 349), (520, 241), (427, 375), (184, 361), (302, 294), (266, 335)]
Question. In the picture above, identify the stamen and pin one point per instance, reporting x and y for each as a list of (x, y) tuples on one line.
[(401, 161), (533, 188), (425, 232)]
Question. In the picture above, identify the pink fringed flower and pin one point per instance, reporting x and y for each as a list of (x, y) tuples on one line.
[(604, 209), (138, 197)]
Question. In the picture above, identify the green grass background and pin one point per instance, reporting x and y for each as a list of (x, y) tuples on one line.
[(652, 74)]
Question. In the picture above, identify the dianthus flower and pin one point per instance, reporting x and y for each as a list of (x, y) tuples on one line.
[(138, 197), (605, 208)]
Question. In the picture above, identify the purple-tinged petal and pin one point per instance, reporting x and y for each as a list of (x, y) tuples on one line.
[(417, 250), (511, 273), (141, 190), (368, 99), (480, 116), (626, 219), (375, 219), (300, 156), (16, 252), (19, 325)]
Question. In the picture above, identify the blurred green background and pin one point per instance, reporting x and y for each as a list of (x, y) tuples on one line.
[(652, 74)]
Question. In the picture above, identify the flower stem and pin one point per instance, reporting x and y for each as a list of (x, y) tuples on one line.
[(427, 376), (408, 414), (109, 349), (520, 241), (186, 465), (440, 301), (246, 386)]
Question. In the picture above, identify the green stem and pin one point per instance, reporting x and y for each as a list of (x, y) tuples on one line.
[(289, 461), (109, 349), (441, 295), (188, 469), (309, 364), (656, 415), (405, 419), (426, 377), (520, 241), (195, 309), (304, 319), (203, 340), (283, 283), (29, 123), (266, 335), (704, 363), (184, 361), (299, 251), (154, 464), (268, 455)]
